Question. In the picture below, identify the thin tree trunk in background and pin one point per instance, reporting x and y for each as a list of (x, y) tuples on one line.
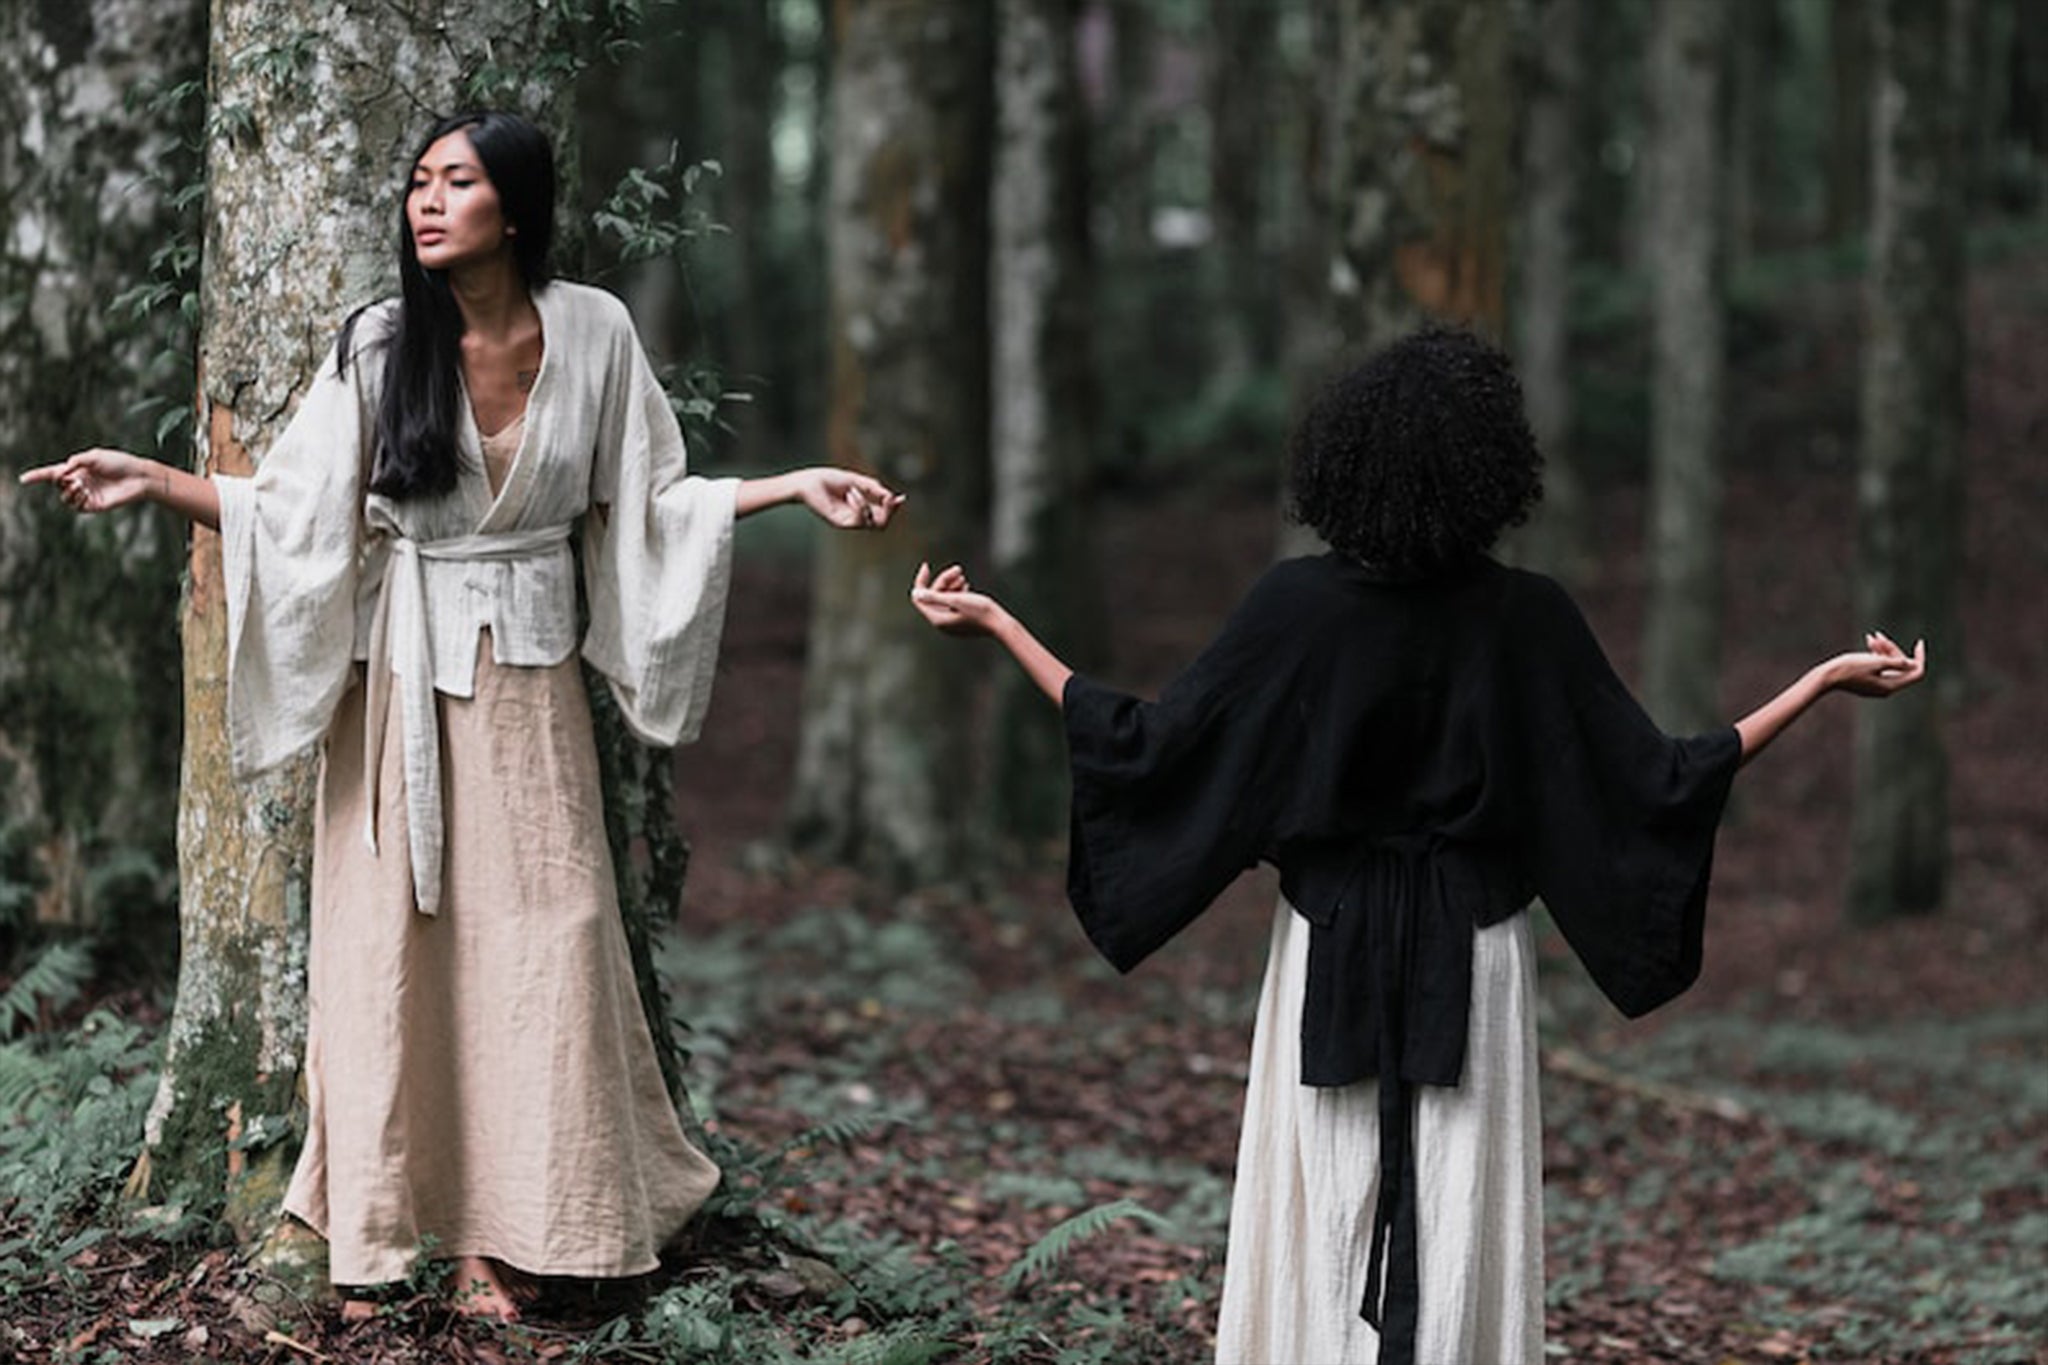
[(1418, 105), (1556, 540), (883, 751), (1301, 224), (1682, 623), (1041, 398), (88, 731), (303, 177), (1848, 169), (745, 202), (1751, 58), (1130, 130), (1240, 96), (1910, 486)]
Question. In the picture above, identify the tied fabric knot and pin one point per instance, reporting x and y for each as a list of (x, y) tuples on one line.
[(401, 647)]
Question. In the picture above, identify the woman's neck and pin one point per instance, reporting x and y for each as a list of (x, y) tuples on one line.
[(492, 296)]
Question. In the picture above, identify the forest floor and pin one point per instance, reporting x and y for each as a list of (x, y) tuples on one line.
[(1835, 1148)]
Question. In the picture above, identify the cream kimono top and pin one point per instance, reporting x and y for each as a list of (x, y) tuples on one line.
[(320, 572)]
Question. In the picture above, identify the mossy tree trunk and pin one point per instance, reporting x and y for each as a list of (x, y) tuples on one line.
[(1909, 505), (99, 124), (1417, 117), (882, 758), (313, 108), (1683, 238)]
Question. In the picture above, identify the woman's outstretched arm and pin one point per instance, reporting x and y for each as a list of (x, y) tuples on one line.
[(1878, 671), (946, 600), (844, 498), (99, 480)]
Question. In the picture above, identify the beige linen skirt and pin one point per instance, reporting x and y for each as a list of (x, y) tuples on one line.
[(1308, 1171), (482, 1081)]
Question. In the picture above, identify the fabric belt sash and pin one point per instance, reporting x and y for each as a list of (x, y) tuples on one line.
[(1392, 1301), (401, 648)]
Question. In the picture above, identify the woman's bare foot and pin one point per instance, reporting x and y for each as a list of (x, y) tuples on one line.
[(476, 1291), (357, 1310)]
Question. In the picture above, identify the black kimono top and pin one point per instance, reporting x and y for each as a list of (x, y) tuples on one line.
[(1416, 759)]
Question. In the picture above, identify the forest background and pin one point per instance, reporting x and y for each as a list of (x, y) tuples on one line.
[(1774, 273)]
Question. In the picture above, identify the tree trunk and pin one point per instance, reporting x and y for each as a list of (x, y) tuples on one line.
[(1417, 130), (745, 202), (1240, 61), (1556, 540), (1752, 54), (314, 108), (1848, 171), (88, 735), (882, 756), (1042, 401), (1910, 500), (1682, 630)]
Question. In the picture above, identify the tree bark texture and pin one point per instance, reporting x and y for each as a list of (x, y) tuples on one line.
[(1041, 396), (1909, 502), (1556, 540), (1419, 127), (88, 180), (1417, 122), (882, 756), (1682, 628), (314, 109)]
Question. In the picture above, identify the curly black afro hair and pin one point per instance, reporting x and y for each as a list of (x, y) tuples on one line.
[(1415, 461)]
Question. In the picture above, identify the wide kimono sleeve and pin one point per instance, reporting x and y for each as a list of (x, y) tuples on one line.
[(1173, 799), (658, 561), (290, 540), (1620, 817)]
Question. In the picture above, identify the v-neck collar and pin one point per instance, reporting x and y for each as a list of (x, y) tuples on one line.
[(499, 512)]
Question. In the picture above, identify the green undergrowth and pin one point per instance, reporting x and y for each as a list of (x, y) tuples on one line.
[(1891, 1175)]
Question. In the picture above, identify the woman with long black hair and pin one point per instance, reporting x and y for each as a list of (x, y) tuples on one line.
[(401, 591), (1421, 740)]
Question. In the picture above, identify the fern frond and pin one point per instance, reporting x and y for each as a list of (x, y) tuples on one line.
[(56, 976), (22, 1075), (1049, 1250), (841, 1132), (911, 1346)]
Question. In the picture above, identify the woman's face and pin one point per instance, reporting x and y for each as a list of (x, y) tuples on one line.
[(453, 208)]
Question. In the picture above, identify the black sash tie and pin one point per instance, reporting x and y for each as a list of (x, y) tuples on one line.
[(1389, 986), (1392, 1303)]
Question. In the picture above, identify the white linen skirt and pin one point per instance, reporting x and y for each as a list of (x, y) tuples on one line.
[(1308, 1171)]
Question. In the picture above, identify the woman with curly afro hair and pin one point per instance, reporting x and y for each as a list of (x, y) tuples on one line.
[(1422, 741)]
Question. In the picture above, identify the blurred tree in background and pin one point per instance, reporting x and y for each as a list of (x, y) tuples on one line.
[(886, 712), (1910, 502), (100, 109), (1682, 254)]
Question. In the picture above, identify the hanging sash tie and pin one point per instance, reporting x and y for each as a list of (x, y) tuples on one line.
[(400, 647)]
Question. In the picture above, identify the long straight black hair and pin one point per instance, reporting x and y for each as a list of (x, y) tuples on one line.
[(417, 452)]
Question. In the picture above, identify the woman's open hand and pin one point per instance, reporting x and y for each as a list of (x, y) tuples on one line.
[(1878, 671), (947, 601), (99, 480), (848, 499)]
